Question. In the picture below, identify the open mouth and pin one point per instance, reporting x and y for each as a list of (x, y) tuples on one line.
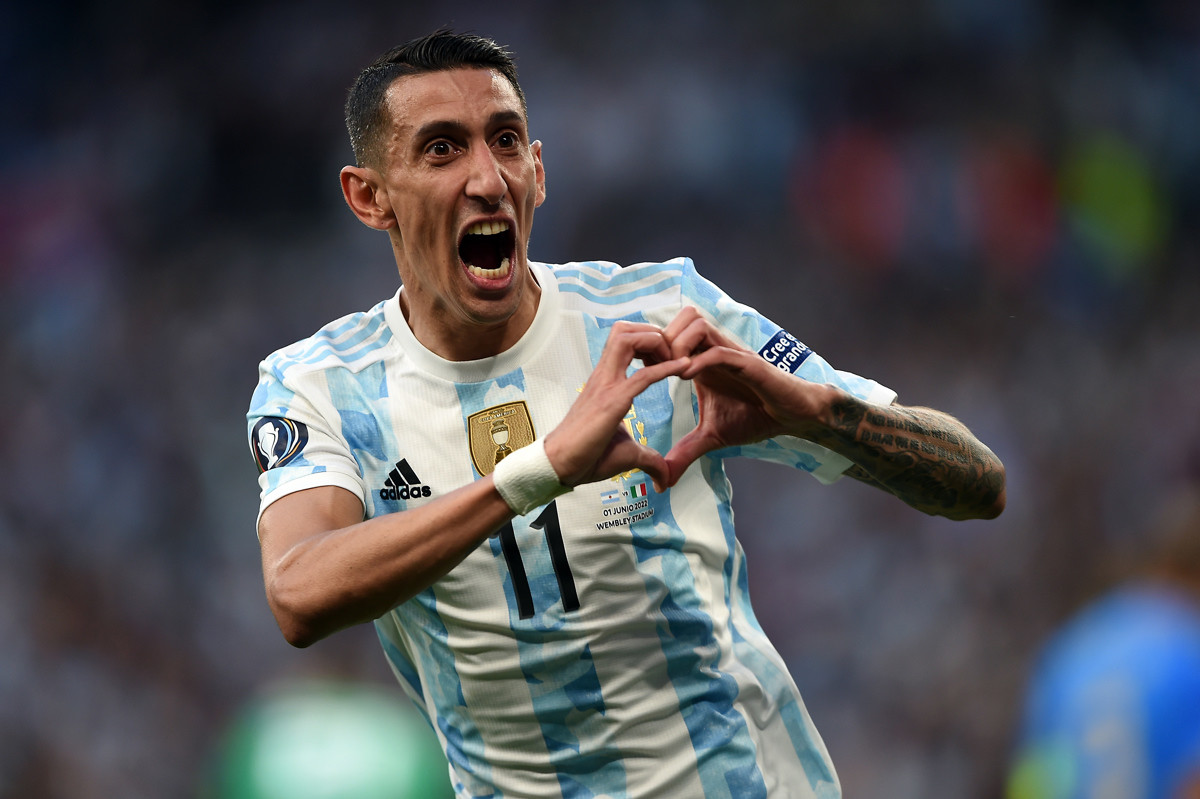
[(487, 249)]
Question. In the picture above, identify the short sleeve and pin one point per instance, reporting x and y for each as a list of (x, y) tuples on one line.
[(290, 426), (784, 351)]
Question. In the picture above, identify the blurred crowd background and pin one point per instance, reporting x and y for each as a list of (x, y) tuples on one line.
[(987, 205)]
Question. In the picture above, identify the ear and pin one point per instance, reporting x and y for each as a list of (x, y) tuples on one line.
[(539, 171), (367, 197)]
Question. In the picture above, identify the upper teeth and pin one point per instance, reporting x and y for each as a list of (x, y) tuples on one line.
[(487, 228)]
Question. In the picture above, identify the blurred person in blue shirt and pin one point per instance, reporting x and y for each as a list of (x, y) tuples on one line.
[(1113, 706)]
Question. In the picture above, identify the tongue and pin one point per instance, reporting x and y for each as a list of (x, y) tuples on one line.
[(480, 251)]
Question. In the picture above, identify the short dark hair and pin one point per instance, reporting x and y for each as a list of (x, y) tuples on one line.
[(366, 113)]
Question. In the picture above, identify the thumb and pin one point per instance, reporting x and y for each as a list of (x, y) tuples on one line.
[(654, 465), (686, 451)]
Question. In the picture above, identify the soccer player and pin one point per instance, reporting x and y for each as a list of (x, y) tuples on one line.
[(515, 470)]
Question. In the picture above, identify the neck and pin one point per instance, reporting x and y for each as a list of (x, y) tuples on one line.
[(459, 337)]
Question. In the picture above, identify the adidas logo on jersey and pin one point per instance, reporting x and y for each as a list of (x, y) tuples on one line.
[(402, 483)]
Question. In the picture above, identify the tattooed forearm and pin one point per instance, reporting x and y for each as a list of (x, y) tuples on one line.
[(924, 457)]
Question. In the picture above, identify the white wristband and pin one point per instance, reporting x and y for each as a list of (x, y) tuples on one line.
[(526, 479)]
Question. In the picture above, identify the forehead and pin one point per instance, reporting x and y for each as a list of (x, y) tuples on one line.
[(455, 95)]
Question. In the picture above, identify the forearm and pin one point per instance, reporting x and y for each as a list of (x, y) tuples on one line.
[(925, 457), (334, 578)]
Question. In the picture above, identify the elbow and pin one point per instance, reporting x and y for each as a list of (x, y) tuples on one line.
[(297, 620), (994, 500), (296, 630), (999, 492), (983, 504), (296, 633), (995, 508)]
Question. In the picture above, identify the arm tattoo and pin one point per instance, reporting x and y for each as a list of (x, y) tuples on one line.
[(924, 457)]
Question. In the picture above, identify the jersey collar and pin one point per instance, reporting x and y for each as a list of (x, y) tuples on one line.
[(540, 332)]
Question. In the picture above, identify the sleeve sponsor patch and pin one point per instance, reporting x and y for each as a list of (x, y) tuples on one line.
[(785, 351), (276, 441)]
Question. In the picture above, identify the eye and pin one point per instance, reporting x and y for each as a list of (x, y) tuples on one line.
[(440, 149), (507, 140)]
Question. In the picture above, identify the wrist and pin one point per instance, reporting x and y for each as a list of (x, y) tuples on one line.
[(526, 479), (819, 412)]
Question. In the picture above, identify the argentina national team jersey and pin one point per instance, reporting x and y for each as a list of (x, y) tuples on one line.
[(602, 645)]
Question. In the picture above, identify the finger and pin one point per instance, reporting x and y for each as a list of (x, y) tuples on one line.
[(714, 358), (686, 451), (650, 374), (623, 345), (685, 317), (696, 335), (627, 326), (655, 465), (688, 340)]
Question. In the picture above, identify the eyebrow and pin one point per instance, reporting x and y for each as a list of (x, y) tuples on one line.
[(442, 127)]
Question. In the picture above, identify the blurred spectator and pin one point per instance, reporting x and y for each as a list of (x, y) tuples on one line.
[(330, 740), (1113, 708)]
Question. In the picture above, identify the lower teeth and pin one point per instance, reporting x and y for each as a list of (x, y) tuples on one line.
[(499, 271)]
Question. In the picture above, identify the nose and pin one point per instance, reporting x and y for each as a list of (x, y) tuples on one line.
[(486, 180)]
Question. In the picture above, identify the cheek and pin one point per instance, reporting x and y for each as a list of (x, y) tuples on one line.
[(421, 229)]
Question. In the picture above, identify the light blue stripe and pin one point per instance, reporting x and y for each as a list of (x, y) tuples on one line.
[(568, 703), (724, 750), (403, 667), (271, 397), (564, 687), (771, 450), (777, 684), (323, 341), (743, 322), (464, 743), (435, 659), (366, 427), (326, 336), (612, 276), (617, 299), (323, 346)]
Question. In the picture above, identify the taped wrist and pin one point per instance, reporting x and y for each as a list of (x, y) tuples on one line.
[(526, 479)]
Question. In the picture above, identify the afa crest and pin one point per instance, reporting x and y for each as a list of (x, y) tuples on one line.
[(497, 432)]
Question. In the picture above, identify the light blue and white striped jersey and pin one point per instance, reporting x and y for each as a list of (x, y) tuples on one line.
[(603, 645)]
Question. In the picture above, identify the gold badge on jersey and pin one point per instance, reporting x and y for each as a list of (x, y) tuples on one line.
[(497, 432)]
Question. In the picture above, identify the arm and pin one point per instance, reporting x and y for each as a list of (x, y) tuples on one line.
[(926, 458), (325, 568)]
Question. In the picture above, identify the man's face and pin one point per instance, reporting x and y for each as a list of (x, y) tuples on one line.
[(462, 180)]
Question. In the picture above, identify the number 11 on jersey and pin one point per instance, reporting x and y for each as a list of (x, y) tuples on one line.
[(547, 520)]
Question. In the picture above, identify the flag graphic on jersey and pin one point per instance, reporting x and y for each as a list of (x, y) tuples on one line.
[(402, 483), (637, 490)]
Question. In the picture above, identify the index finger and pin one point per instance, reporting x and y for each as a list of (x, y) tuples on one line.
[(690, 333), (628, 340), (687, 314)]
